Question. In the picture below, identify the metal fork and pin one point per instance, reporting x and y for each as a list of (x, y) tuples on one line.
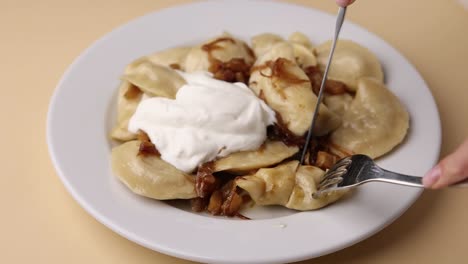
[(359, 169)]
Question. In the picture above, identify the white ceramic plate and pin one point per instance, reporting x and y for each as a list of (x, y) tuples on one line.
[(82, 112)]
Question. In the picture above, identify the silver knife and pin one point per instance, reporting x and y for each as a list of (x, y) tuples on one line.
[(339, 23)]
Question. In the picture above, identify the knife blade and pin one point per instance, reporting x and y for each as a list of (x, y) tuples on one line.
[(339, 23)]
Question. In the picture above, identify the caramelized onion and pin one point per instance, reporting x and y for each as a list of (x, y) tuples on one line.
[(175, 66), (232, 201), (279, 131), (216, 201), (331, 86), (325, 160), (205, 181), (132, 92), (235, 70), (213, 45), (198, 204), (147, 148)]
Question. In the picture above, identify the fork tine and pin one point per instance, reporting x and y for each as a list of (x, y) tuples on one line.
[(334, 173), (332, 177), (330, 182), (338, 169), (321, 192), (345, 162)]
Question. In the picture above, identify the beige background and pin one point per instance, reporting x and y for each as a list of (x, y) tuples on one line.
[(41, 223)]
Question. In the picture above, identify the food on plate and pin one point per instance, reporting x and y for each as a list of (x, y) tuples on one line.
[(128, 98), (270, 153), (338, 103), (153, 79), (174, 57), (262, 43), (217, 51), (289, 184), (300, 38), (375, 121), (304, 56), (223, 123), (282, 83), (200, 124), (148, 175), (351, 62)]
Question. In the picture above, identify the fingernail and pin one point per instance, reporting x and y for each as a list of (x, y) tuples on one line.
[(431, 177), (342, 3)]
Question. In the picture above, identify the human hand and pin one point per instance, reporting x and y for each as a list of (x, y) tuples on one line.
[(452, 169), (344, 3)]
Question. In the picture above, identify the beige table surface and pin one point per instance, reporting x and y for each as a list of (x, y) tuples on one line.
[(41, 223)]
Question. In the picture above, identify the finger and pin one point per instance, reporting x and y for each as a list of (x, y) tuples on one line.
[(344, 3), (450, 170), (432, 177)]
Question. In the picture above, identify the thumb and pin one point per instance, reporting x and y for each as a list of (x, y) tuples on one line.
[(450, 170)]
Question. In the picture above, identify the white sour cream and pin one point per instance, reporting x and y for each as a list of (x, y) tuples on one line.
[(209, 118)]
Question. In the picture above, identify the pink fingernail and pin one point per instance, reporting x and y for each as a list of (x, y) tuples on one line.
[(431, 177), (342, 3)]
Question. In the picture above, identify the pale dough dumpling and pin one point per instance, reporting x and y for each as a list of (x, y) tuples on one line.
[(374, 123), (351, 62), (300, 38), (223, 48), (339, 103), (170, 57), (304, 56), (293, 50), (286, 89), (289, 185), (262, 43), (307, 180), (271, 153), (270, 186), (279, 50), (149, 175), (153, 79), (125, 109)]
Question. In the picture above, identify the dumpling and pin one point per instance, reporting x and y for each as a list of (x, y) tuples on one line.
[(270, 186), (302, 50), (307, 180), (271, 153), (223, 49), (263, 42), (153, 79), (286, 89), (351, 62), (126, 107), (339, 103), (289, 185), (279, 50), (300, 38), (174, 57), (374, 123), (304, 56), (149, 175)]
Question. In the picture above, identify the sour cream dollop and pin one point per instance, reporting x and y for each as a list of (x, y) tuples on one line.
[(209, 118)]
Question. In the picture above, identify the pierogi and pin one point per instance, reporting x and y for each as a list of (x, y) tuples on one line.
[(359, 115), (351, 62)]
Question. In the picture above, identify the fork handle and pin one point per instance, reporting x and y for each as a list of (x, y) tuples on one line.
[(401, 179), (414, 181)]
